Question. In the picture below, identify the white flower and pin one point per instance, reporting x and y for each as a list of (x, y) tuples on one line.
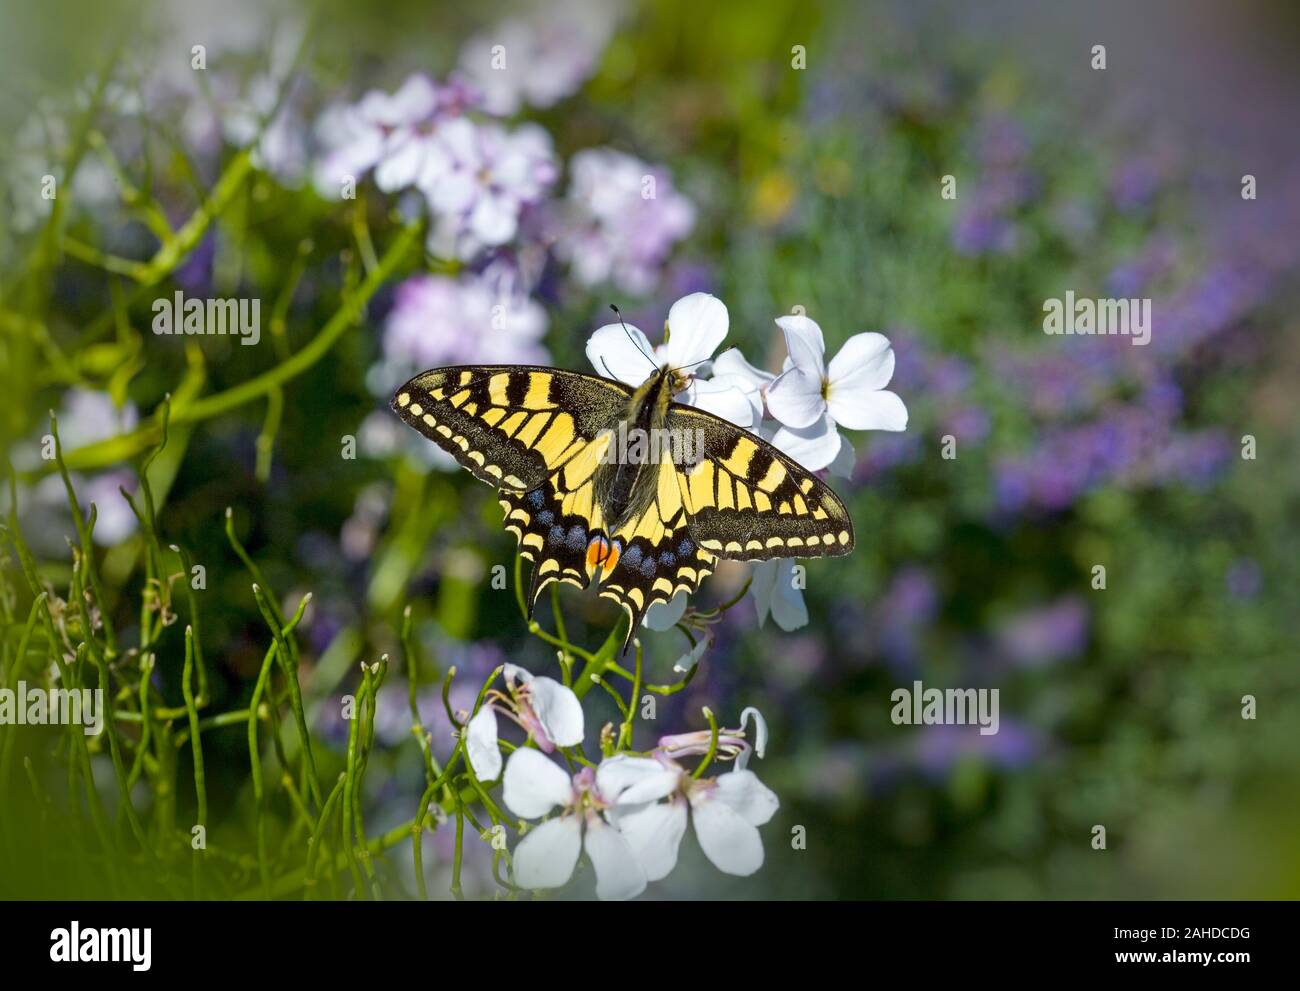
[(727, 810), (548, 712), (545, 858), (731, 368), (810, 398), (697, 324), (773, 588)]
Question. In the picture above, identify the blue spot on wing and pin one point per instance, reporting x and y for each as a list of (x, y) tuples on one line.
[(577, 538)]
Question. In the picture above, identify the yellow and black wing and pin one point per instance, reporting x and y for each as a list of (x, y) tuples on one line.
[(747, 501), (511, 426), (539, 435), (654, 555), (742, 499)]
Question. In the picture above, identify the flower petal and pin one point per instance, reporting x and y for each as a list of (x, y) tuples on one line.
[(732, 363), (664, 615), (654, 831), (494, 219), (762, 584), (760, 728), (731, 843), (401, 164), (619, 874), (813, 447), (866, 363), (688, 660), (558, 710), (721, 399), (545, 858), (805, 343), (845, 460), (629, 780), (454, 192), (752, 800), (697, 324), (534, 785), (481, 745), (513, 672), (795, 398), (867, 410), (788, 608), (621, 352)]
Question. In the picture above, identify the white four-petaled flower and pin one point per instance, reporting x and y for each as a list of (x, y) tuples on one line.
[(726, 810), (548, 711), (697, 324), (545, 858), (811, 398)]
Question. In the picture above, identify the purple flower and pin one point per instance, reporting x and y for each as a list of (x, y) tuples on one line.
[(440, 320), (1045, 635), (909, 604), (393, 134), (539, 59), (620, 221), (1243, 579), (981, 230), (940, 748), (485, 180)]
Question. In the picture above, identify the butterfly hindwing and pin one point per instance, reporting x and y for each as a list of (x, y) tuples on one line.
[(510, 425), (750, 502), (554, 542), (655, 554)]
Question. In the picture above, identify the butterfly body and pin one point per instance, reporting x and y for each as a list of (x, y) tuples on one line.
[(586, 508)]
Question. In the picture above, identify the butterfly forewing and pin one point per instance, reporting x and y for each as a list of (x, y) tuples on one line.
[(510, 425)]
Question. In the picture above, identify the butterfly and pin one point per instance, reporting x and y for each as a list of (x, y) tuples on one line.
[(588, 506)]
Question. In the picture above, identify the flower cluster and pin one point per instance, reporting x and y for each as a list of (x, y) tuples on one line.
[(799, 410), (477, 177), (629, 813), (539, 58), (621, 220)]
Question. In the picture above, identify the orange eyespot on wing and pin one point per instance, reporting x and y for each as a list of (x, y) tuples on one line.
[(602, 556)]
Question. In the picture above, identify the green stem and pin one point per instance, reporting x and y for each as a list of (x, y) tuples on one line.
[(124, 445), (196, 746), (596, 666)]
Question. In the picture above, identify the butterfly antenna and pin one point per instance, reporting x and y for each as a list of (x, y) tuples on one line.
[(703, 360), (647, 357)]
